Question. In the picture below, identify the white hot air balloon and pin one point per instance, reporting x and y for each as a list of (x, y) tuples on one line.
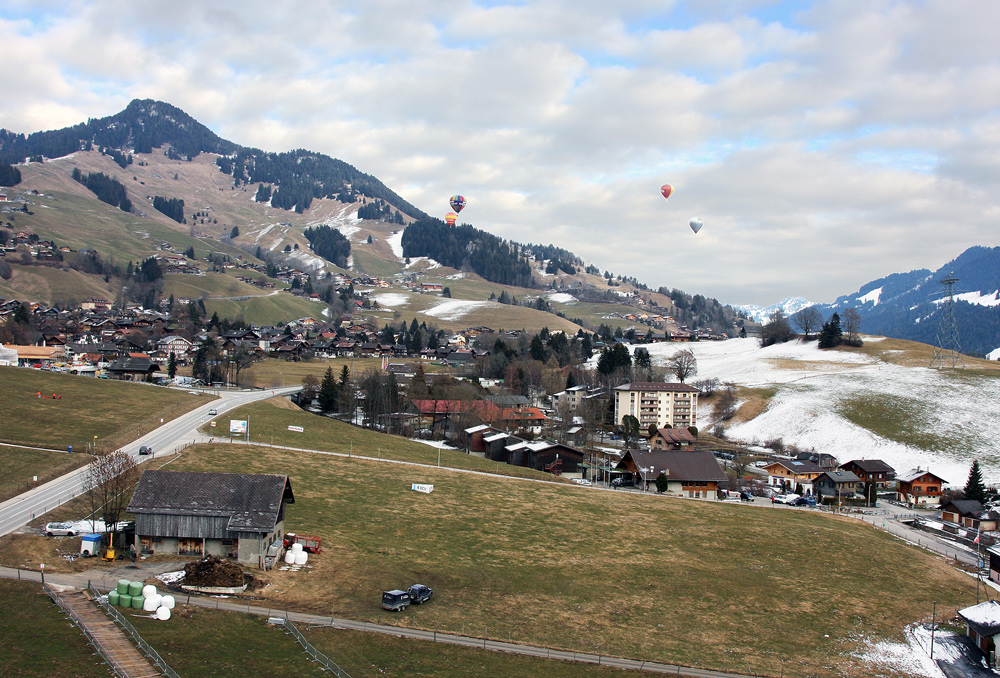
[(696, 224)]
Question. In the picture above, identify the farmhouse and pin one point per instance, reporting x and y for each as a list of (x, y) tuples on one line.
[(983, 625), (788, 474), (969, 513), (919, 487), (688, 473), (233, 515), (871, 471)]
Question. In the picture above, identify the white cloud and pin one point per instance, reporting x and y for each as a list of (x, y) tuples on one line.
[(823, 148)]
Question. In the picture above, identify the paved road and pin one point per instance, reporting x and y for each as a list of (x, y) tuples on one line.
[(169, 438)]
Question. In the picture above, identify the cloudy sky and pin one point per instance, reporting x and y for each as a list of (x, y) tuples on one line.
[(824, 144)]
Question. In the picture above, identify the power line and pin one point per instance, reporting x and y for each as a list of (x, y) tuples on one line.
[(948, 347)]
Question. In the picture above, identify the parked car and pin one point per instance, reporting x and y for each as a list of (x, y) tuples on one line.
[(732, 497), (804, 501), (145, 449), (582, 481), (784, 498), (746, 496), (419, 593), (622, 482), (60, 530), (395, 600)]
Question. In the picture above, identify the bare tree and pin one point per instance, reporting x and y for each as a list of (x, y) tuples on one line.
[(110, 479), (808, 320), (683, 364), (725, 407), (851, 322), (776, 331)]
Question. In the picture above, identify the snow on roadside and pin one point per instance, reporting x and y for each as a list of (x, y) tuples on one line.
[(561, 298), (457, 309)]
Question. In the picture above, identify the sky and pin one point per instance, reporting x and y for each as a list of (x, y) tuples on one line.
[(823, 144)]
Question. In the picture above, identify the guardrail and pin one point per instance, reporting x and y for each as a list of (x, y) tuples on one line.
[(119, 619), (117, 668), (325, 662)]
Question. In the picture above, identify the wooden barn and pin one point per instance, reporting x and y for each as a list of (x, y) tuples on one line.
[(232, 515)]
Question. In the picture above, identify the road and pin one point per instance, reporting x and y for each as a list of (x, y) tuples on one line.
[(168, 438)]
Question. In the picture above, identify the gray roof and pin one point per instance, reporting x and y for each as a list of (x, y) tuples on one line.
[(967, 507), (252, 502), (840, 477), (799, 465), (656, 386), (915, 473), (679, 464), (870, 465)]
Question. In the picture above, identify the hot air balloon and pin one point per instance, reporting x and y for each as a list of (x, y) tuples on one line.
[(696, 224), (666, 190), (450, 218), (457, 203)]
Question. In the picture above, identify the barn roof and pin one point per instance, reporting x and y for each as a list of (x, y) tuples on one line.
[(252, 502)]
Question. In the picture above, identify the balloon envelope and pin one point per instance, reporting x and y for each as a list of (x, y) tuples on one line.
[(450, 218), (457, 203), (666, 190), (696, 224)]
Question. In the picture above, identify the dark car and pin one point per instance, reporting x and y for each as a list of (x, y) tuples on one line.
[(746, 496), (419, 593), (145, 449), (804, 501), (622, 482)]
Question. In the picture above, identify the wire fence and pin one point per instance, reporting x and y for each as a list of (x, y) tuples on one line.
[(143, 646), (117, 668), (325, 662)]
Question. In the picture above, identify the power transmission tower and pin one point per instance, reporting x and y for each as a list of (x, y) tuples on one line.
[(948, 349)]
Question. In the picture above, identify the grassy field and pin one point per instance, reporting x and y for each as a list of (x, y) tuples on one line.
[(38, 640), (88, 407), (19, 465), (662, 579)]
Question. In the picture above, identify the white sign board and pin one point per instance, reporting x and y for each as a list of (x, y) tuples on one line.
[(237, 425), (298, 429), (426, 489)]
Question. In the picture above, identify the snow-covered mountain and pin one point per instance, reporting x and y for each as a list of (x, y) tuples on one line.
[(908, 305), (761, 314)]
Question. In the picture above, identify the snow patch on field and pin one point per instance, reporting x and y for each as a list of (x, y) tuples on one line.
[(307, 260), (396, 244), (392, 299), (911, 658), (561, 298), (457, 309), (955, 413), (431, 264)]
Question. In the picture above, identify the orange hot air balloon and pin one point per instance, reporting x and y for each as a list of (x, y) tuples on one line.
[(666, 190), (450, 218)]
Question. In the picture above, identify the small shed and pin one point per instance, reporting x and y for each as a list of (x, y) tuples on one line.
[(90, 544), (983, 626)]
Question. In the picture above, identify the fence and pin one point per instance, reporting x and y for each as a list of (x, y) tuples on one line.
[(117, 668), (325, 662), (143, 646)]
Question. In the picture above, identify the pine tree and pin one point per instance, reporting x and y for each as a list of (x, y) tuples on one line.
[(974, 488), (172, 365), (329, 391)]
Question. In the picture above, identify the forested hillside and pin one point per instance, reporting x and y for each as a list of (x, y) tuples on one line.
[(469, 249), (908, 305)]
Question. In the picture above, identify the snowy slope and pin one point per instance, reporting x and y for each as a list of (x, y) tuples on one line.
[(789, 306), (958, 412)]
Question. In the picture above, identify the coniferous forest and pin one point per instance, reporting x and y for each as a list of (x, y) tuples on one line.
[(107, 189), (172, 207), (329, 243), (468, 249)]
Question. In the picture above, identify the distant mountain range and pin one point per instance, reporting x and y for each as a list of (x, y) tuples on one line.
[(909, 305)]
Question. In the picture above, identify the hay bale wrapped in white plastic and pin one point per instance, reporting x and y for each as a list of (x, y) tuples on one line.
[(296, 548), (289, 558), (163, 613), (151, 603), (148, 590), (167, 602), (301, 557)]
